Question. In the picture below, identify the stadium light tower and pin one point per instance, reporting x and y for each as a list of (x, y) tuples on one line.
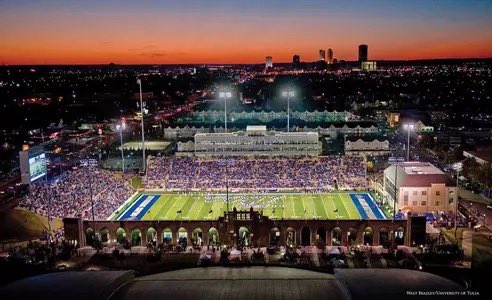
[(120, 128), (139, 82), (408, 128), (288, 94), (225, 96), (457, 167)]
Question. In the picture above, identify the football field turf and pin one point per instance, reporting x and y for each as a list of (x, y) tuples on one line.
[(202, 206)]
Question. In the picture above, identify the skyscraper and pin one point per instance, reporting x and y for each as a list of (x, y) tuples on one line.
[(322, 55), (296, 60), (362, 53), (330, 56), (268, 62)]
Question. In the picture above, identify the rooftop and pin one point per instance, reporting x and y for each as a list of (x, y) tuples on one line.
[(417, 174), (230, 283), (420, 168)]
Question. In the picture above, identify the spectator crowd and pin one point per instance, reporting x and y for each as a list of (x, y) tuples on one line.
[(327, 173), (69, 195)]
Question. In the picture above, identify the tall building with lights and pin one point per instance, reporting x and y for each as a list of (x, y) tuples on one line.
[(296, 60), (363, 53), (322, 55), (268, 62), (330, 56)]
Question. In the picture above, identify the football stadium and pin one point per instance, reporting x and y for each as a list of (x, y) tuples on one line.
[(211, 206), (250, 201)]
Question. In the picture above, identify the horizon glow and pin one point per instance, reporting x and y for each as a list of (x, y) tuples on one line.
[(220, 31)]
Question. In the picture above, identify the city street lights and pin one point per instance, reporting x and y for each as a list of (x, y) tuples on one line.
[(120, 128), (225, 96), (288, 94), (457, 167), (408, 128), (139, 82)]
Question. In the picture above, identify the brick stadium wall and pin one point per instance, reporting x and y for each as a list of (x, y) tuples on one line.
[(260, 228)]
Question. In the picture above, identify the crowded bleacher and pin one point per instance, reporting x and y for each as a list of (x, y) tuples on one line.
[(328, 173), (69, 195)]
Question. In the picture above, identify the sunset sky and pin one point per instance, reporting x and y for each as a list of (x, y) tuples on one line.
[(234, 31)]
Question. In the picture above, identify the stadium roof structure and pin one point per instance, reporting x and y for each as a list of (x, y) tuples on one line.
[(227, 283), (417, 174)]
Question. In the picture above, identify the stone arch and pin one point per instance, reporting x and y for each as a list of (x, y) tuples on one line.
[(182, 238), (274, 236), (336, 236), (104, 235), (290, 239), (136, 237), (400, 236), (244, 236), (306, 236), (213, 236), (151, 236), (167, 236), (197, 236), (384, 238), (120, 235), (368, 236), (321, 235), (352, 236)]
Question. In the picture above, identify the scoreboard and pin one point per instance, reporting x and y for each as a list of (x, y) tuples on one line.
[(32, 164)]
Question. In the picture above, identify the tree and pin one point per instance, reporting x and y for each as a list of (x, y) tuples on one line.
[(470, 166), (456, 155), (426, 141), (486, 175)]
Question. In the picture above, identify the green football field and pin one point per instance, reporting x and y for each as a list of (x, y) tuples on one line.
[(200, 206)]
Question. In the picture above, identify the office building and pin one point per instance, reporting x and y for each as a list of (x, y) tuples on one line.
[(363, 49), (330, 56), (368, 65), (322, 55), (296, 60), (268, 62)]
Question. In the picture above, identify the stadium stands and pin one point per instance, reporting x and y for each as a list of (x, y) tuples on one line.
[(326, 173), (70, 194)]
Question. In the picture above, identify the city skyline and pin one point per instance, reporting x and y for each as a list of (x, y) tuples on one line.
[(234, 32)]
